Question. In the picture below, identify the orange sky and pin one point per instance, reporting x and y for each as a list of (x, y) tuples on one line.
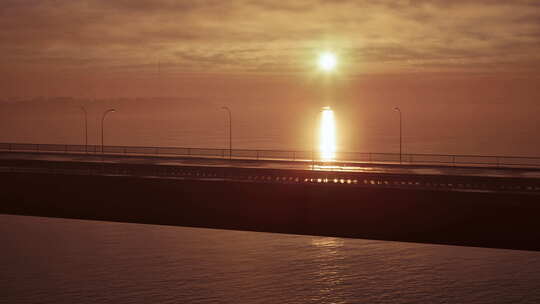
[(467, 69), (110, 48)]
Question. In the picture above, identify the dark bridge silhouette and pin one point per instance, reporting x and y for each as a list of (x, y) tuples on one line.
[(493, 205)]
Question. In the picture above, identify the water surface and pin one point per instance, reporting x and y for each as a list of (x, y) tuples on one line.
[(46, 260)]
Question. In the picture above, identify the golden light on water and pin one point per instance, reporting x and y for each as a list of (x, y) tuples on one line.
[(327, 61), (327, 135)]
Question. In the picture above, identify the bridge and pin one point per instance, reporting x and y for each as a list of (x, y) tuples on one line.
[(488, 201)]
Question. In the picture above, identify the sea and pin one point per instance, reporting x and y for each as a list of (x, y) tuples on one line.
[(53, 260)]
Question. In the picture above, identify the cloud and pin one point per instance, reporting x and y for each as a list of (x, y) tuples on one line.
[(271, 36)]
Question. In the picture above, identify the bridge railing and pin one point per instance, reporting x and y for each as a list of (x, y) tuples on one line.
[(254, 154)]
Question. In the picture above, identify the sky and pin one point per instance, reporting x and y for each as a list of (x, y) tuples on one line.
[(464, 73), (149, 47)]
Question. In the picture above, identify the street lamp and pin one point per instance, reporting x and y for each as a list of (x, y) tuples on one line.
[(400, 132), (314, 141), (85, 129), (230, 130), (102, 120)]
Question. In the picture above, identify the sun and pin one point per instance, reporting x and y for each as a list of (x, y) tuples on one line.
[(327, 61)]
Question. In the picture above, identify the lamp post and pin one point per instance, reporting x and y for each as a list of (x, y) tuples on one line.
[(230, 130), (102, 120), (85, 129), (314, 141), (400, 132)]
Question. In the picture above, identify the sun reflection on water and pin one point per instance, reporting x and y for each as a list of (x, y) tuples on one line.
[(327, 135), (329, 258), (327, 242)]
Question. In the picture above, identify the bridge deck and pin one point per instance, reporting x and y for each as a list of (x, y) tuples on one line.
[(522, 180), (276, 164), (484, 207)]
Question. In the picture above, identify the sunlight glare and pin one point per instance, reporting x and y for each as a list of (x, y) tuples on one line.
[(327, 135), (327, 61)]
